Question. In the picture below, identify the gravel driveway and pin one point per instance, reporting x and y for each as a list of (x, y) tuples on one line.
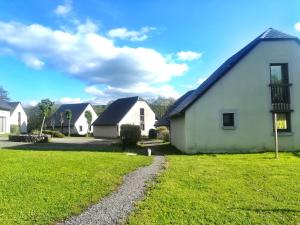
[(116, 207)]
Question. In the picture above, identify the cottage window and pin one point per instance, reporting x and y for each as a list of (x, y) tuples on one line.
[(228, 120), (283, 122), (80, 128)]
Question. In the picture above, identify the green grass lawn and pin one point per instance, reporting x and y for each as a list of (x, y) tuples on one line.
[(224, 189), (42, 187)]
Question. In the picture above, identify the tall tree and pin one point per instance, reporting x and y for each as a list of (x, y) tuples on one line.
[(45, 107), (89, 117), (4, 95), (69, 115), (61, 120)]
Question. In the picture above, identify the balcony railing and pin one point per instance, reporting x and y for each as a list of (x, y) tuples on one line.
[(280, 97)]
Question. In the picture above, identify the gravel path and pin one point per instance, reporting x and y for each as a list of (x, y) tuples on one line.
[(116, 207)]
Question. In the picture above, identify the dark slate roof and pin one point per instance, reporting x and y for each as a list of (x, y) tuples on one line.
[(269, 35), (77, 110), (5, 106), (115, 111), (164, 120), (13, 105)]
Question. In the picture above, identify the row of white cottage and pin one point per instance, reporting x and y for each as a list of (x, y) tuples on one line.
[(132, 110)]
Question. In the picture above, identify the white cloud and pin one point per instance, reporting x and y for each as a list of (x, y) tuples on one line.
[(131, 35), (142, 90), (87, 56), (201, 80), (64, 9), (297, 26), (68, 100), (93, 91), (33, 62), (188, 55)]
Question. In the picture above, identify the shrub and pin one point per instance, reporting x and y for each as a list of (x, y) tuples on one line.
[(29, 138), (54, 133), (152, 134), (130, 133), (163, 133), (15, 129)]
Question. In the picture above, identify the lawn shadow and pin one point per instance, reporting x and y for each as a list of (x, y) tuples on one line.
[(296, 154), (80, 147), (284, 210)]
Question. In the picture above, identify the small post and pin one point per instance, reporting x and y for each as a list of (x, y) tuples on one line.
[(276, 136), (149, 151)]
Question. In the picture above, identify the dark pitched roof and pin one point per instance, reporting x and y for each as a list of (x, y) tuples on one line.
[(5, 106), (164, 120), (77, 110), (116, 111), (13, 105), (269, 35)]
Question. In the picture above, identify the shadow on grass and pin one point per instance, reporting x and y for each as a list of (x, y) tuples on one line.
[(284, 210), (80, 147), (296, 154), (96, 147)]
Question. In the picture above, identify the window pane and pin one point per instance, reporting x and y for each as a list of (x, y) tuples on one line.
[(276, 74), (228, 119), (282, 121)]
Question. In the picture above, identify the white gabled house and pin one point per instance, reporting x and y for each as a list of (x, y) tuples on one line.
[(4, 117), (79, 124), (233, 110), (132, 110), (18, 116)]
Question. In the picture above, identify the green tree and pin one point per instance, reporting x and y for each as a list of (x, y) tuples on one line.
[(45, 107), (69, 115), (3, 95), (89, 117)]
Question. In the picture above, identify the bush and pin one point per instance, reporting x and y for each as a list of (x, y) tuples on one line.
[(15, 129), (130, 133), (29, 138), (152, 134), (54, 133), (163, 133)]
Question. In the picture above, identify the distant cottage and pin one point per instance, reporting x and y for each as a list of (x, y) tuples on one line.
[(18, 116), (131, 110), (12, 113), (233, 110), (4, 117), (79, 124)]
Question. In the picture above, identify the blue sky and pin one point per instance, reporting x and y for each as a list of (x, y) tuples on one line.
[(97, 51)]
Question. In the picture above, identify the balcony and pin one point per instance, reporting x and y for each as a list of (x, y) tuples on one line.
[(280, 97)]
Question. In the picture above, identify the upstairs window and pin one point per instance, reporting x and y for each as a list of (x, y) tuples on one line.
[(142, 114), (80, 128), (279, 73)]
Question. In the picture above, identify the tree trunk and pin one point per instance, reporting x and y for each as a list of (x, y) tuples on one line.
[(69, 128), (42, 125)]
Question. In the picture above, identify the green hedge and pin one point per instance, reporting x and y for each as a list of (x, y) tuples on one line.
[(130, 134), (15, 129), (54, 133), (163, 133), (29, 138)]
